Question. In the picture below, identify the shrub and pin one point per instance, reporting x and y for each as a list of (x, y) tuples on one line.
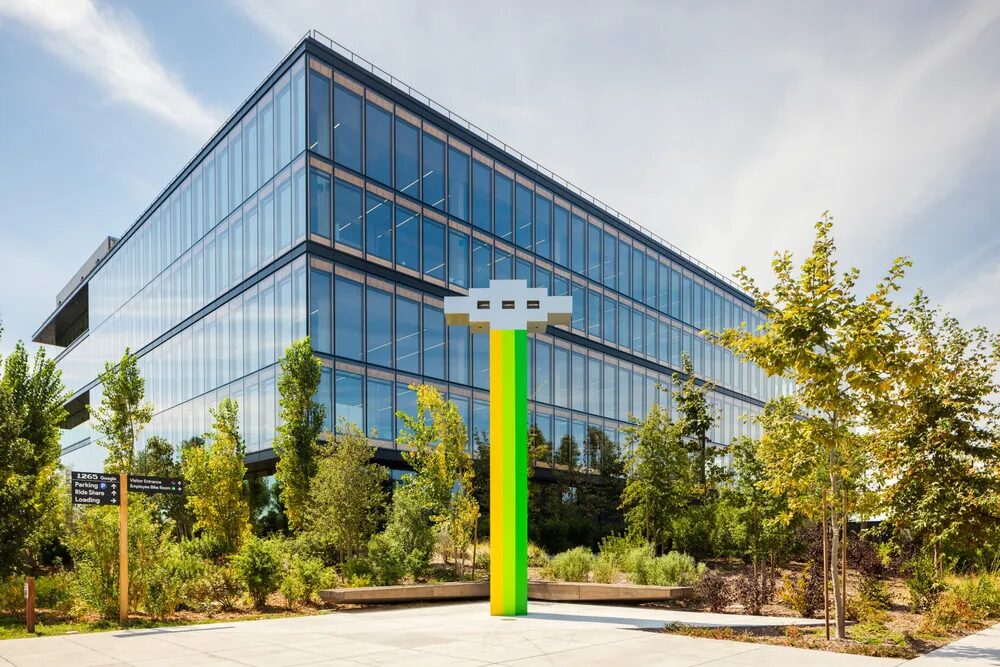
[(923, 583), (405, 546), (673, 569), (982, 593), (950, 612), (636, 557), (173, 580), (385, 562), (803, 592), (714, 590), (444, 545), (258, 567), (874, 592), (536, 556), (753, 591), (304, 576), (571, 565), (606, 568), (56, 591), (12, 596), (483, 558), (219, 585)]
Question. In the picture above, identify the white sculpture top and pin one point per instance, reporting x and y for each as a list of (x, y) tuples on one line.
[(508, 304)]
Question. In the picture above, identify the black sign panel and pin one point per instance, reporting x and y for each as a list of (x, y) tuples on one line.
[(95, 488), (145, 484)]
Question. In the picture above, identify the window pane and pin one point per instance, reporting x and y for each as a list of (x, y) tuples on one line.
[(348, 313), (522, 216), (434, 330), (346, 128), (503, 266), (319, 311), (319, 114), (324, 396), (347, 391), (638, 332), (624, 330), (638, 270), (378, 226), (503, 206), (283, 214), (265, 238), (482, 196), (650, 297), (593, 313), (610, 318), (543, 226), (522, 271), (560, 236), (458, 258), (378, 326), (407, 158), (481, 263), (379, 409), (265, 149), (406, 402), (543, 372), (543, 279), (578, 385), (432, 173), (610, 261), (594, 252), (624, 267), (458, 354), (433, 249), (579, 307), (407, 335), (347, 213), (560, 374), (407, 238), (283, 126), (458, 184), (481, 361), (378, 143), (579, 244)]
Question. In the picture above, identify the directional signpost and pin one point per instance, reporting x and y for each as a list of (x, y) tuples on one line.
[(97, 488)]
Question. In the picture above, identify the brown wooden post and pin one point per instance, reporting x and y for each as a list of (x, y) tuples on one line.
[(826, 578), (123, 549), (29, 603)]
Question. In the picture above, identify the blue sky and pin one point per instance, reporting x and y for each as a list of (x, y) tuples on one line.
[(726, 128)]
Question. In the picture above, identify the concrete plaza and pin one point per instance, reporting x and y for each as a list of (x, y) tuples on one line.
[(455, 634)]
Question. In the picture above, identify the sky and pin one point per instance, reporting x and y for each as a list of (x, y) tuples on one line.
[(726, 128)]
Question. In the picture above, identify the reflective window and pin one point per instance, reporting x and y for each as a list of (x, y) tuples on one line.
[(348, 402), (319, 203), (378, 143), (609, 390), (481, 361), (319, 311), (407, 158), (433, 247), (434, 330), (624, 320), (481, 263), (675, 294), (458, 354), (503, 267), (458, 184), (378, 226), (319, 114), (624, 393), (503, 207), (543, 226), (283, 213), (663, 289), (560, 286), (625, 267), (522, 271), (458, 258), (265, 148), (578, 246), (579, 307), (543, 279), (407, 238), (560, 377), (593, 313), (378, 325), (379, 408), (250, 154), (324, 396), (348, 312), (594, 252), (610, 261), (578, 382), (560, 236), (482, 196), (637, 273), (522, 216), (283, 126), (265, 242), (406, 402), (432, 174), (650, 282), (347, 213), (543, 372), (346, 128), (407, 335), (638, 333), (610, 318)]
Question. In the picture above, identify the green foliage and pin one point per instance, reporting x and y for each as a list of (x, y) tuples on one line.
[(697, 414), (301, 421), (157, 459), (214, 475), (346, 496), (714, 590), (536, 555), (606, 569), (923, 582), (123, 412), (436, 439), (794, 592), (94, 544), (658, 470), (31, 412), (174, 580), (304, 576), (11, 596), (572, 565), (219, 586), (258, 566), (950, 612), (405, 546), (672, 569), (56, 591), (982, 592), (874, 592)]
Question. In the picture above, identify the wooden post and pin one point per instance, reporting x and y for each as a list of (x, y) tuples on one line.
[(29, 603), (123, 549), (843, 573), (826, 578)]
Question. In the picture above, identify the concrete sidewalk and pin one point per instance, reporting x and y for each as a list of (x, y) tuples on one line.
[(459, 634), (982, 648)]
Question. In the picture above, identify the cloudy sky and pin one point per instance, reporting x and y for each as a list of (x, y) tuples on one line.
[(727, 128)]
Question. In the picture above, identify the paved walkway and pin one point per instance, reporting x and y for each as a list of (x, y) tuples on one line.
[(459, 634), (980, 649)]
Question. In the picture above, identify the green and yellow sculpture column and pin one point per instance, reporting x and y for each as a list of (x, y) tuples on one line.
[(508, 310)]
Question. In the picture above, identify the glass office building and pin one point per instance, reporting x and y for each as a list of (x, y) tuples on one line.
[(339, 203)]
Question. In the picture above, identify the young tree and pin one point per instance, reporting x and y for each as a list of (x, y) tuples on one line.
[(301, 422), (437, 438), (658, 475), (31, 412), (123, 412), (214, 475), (158, 459), (839, 348), (697, 413), (937, 441), (346, 496)]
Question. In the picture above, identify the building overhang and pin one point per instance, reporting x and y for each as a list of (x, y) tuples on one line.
[(67, 322)]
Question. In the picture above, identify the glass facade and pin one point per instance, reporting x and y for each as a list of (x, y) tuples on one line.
[(337, 209)]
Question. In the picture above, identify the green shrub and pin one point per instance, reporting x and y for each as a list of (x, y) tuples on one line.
[(874, 592), (982, 592), (673, 569), (405, 546), (950, 612), (714, 590), (258, 567), (303, 577), (536, 555), (636, 557), (606, 568), (571, 565), (173, 581), (923, 583), (483, 560), (386, 565), (56, 591), (219, 586), (12, 596)]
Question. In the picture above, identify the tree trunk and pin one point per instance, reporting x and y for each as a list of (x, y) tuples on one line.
[(843, 548), (826, 580), (838, 601)]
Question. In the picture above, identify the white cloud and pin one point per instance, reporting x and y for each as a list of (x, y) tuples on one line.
[(112, 48)]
